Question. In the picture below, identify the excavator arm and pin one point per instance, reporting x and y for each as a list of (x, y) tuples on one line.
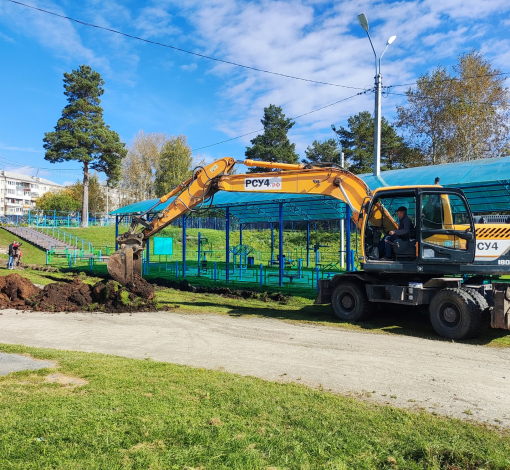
[(206, 181)]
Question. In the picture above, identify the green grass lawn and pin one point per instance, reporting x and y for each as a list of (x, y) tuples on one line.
[(135, 414)]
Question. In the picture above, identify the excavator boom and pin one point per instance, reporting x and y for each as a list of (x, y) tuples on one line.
[(206, 181)]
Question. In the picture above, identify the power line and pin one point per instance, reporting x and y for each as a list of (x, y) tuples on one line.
[(203, 56), (455, 79), (295, 117), (6, 161)]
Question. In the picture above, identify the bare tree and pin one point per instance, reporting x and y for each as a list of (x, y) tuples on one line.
[(155, 164), (140, 166), (459, 118)]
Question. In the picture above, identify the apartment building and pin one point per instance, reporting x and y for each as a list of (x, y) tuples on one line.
[(18, 192)]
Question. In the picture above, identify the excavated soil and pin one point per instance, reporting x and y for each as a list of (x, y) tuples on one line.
[(18, 292), (15, 290)]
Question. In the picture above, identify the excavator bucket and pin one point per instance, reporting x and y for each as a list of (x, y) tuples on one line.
[(124, 265)]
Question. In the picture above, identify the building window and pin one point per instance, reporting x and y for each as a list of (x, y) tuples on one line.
[(11, 191), (11, 183)]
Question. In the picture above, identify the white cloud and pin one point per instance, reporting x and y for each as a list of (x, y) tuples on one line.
[(189, 67), (6, 38), (304, 38), (310, 39), (50, 31), (156, 22), (24, 170), (20, 149)]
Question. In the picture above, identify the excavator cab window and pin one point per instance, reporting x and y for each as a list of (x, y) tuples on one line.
[(382, 218), (446, 228)]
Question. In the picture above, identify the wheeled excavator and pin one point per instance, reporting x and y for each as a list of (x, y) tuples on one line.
[(445, 262)]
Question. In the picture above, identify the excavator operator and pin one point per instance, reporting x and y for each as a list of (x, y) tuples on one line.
[(404, 227)]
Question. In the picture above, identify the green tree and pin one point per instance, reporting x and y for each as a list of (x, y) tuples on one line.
[(81, 133), (174, 166), (273, 145), (97, 196), (358, 145), (459, 117), (60, 201), (326, 151)]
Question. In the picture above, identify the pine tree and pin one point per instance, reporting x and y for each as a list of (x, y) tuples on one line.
[(323, 152), (82, 135), (273, 145), (358, 145)]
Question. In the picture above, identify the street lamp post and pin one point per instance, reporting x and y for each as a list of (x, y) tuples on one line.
[(378, 88), (342, 221)]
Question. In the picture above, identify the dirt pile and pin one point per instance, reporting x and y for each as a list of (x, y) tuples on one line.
[(185, 286), (18, 292)]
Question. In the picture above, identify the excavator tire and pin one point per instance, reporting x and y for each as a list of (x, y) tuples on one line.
[(454, 314), (349, 302), (482, 304)]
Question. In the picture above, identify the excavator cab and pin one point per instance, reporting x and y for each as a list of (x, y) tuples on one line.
[(382, 218), (442, 229)]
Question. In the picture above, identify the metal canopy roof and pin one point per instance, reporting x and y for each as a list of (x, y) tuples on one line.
[(451, 174), (260, 207), (485, 182)]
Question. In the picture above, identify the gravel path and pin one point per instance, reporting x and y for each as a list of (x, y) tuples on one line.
[(453, 379)]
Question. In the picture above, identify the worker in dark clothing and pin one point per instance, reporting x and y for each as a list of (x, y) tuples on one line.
[(404, 227), (17, 254), (10, 263)]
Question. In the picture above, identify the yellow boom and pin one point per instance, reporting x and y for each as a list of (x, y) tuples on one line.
[(335, 182)]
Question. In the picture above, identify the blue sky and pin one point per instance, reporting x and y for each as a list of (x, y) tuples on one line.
[(157, 89)]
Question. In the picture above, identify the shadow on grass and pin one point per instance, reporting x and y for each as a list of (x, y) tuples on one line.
[(402, 321)]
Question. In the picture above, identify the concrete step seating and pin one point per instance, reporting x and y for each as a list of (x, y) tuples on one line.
[(37, 238)]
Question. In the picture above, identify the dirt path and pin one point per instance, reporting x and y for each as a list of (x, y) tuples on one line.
[(447, 378)]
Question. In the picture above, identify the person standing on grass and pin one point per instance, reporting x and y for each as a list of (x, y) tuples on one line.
[(10, 263), (17, 255)]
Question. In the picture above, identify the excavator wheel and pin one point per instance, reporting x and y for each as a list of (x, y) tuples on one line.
[(482, 304), (454, 314), (349, 302)]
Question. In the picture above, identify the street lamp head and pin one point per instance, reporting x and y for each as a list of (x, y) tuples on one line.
[(390, 40), (363, 21), (333, 127)]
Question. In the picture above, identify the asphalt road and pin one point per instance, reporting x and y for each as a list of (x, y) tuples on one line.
[(454, 379), (16, 362)]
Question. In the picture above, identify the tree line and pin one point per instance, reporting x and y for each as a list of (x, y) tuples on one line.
[(449, 116)]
